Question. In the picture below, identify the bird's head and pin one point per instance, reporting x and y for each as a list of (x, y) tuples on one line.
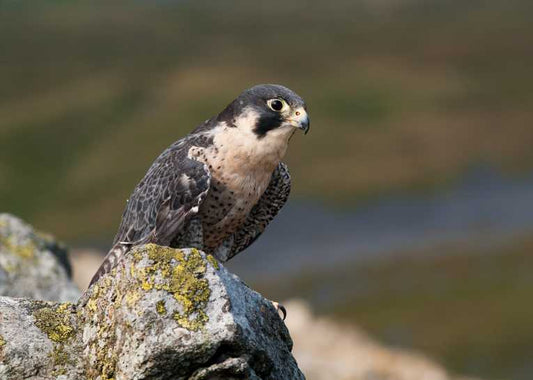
[(267, 110)]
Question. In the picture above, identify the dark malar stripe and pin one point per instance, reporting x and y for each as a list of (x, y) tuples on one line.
[(266, 123)]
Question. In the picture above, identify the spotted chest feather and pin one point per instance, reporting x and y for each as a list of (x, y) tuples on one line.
[(236, 187)]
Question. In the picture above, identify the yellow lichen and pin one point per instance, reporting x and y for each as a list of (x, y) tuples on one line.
[(2, 345), (180, 276), (24, 250), (213, 262), (146, 285), (60, 359), (108, 367), (55, 323), (62, 308), (160, 307), (155, 268), (106, 297), (132, 297), (104, 346), (96, 290), (91, 304)]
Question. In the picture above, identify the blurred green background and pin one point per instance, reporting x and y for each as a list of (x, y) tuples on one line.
[(405, 98)]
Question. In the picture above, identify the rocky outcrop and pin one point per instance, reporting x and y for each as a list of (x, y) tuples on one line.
[(161, 314), (33, 264)]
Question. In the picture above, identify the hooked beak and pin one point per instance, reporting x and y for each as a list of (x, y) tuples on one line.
[(300, 120)]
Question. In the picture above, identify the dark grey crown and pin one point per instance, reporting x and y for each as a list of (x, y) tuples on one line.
[(256, 97)]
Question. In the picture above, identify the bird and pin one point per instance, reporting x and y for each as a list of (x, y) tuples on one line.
[(217, 188)]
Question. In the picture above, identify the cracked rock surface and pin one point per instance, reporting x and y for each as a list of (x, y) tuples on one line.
[(162, 314)]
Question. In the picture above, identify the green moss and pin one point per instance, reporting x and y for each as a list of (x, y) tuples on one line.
[(160, 307), (2, 341), (213, 262), (182, 277), (55, 322)]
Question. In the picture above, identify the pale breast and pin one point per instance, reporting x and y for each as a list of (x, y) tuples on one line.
[(241, 166), (235, 188)]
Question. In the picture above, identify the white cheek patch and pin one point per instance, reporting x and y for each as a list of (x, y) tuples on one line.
[(247, 120), (240, 151)]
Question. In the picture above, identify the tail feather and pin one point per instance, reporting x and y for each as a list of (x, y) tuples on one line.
[(111, 259)]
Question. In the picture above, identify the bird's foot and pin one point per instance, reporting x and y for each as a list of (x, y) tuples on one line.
[(280, 308)]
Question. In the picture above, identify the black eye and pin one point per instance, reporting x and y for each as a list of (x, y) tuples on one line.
[(276, 104)]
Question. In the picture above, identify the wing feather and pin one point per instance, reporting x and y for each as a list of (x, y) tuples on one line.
[(158, 210)]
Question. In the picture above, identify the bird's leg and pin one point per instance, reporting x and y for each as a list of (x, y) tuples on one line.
[(279, 307)]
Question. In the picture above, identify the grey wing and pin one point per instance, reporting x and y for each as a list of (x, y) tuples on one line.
[(263, 212), (170, 193), (161, 204)]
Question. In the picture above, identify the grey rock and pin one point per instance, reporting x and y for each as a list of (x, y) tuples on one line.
[(33, 264), (162, 313)]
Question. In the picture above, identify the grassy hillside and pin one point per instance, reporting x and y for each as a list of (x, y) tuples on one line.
[(470, 310), (401, 94)]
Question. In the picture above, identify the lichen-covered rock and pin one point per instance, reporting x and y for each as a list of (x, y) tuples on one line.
[(39, 340), (178, 314), (161, 314), (32, 264)]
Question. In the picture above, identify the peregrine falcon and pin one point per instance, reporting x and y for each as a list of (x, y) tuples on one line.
[(217, 188)]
